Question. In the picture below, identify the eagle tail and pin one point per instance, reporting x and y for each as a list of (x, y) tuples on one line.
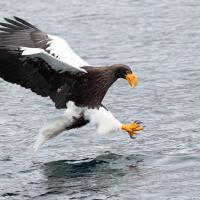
[(51, 130), (72, 118)]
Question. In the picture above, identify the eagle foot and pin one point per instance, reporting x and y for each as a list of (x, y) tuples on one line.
[(133, 128)]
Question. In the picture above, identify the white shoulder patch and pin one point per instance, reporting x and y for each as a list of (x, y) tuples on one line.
[(30, 51), (60, 48), (55, 63)]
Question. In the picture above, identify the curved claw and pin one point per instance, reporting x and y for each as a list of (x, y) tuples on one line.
[(133, 136), (138, 122)]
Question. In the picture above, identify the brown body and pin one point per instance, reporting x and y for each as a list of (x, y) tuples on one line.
[(84, 88), (91, 88)]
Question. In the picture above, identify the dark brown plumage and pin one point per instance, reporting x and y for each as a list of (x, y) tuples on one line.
[(48, 66), (86, 89), (20, 33), (92, 87)]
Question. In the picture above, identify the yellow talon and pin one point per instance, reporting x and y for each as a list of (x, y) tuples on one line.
[(132, 128)]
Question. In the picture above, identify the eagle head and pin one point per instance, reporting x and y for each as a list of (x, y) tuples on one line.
[(125, 72)]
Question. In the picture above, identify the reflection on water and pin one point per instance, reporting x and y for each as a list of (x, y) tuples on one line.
[(91, 175)]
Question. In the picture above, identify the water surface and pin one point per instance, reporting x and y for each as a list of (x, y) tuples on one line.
[(160, 41)]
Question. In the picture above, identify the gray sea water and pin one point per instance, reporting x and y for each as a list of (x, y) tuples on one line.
[(161, 41)]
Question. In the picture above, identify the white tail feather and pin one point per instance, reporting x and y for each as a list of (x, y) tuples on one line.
[(53, 129), (57, 125)]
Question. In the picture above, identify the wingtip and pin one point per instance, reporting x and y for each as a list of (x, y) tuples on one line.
[(6, 19), (16, 18), (22, 21)]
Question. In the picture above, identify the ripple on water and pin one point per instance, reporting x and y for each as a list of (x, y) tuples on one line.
[(160, 41)]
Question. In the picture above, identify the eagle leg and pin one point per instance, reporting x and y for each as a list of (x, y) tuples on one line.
[(132, 128)]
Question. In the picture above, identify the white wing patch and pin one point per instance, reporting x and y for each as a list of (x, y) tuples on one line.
[(60, 48), (30, 51), (56, 64)]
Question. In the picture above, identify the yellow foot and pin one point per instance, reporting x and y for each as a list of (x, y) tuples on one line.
[(132, 128)]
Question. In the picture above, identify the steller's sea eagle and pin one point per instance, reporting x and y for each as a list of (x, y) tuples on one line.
[(49, 67)]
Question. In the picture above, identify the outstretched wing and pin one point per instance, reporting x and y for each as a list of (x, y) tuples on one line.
[(40, 72), (20, 33), (38, 61)]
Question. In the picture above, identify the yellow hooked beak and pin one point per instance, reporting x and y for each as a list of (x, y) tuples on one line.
[(132, 79)]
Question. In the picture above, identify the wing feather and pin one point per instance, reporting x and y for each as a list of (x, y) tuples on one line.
[(16, 23), (35, 73), (25, 22), (56, 64), (19, 32), (38, 61)]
